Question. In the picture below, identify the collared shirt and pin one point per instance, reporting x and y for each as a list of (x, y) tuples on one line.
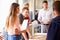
[(44, 15)]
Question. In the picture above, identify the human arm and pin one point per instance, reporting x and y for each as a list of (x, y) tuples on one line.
[(40, 17)]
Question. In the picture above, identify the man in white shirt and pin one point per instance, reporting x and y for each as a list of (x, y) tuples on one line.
[(44, 17)]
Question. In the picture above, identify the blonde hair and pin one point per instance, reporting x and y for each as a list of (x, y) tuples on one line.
[(26, 4), (13, 13)]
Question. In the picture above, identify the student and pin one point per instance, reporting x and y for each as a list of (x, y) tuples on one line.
[(54, 28), (26, 5), (12, 23), (44, 17), (30, 12), (24, 15)]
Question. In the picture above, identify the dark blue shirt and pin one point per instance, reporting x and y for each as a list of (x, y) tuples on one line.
[(54, 29)]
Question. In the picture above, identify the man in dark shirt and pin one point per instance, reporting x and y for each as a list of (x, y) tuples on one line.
[(24, 15), (54, 29)]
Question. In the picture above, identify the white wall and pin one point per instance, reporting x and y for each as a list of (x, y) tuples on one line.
[(21, 4), (39, 4), (4, 11)]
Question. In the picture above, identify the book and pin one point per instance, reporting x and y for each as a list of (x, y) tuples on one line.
[(24, 25)]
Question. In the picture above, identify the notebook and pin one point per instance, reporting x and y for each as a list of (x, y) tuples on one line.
[(24, 25)]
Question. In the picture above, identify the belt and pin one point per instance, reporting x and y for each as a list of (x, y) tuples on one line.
[(45, 24)]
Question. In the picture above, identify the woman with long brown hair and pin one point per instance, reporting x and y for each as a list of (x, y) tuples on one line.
[(12, 23)]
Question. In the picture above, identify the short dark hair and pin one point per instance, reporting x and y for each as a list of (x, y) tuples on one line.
[(25, 8), (56, 6), (45, 2)]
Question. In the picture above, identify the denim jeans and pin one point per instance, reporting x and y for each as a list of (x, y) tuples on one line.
[(13, 37), (5, 35)]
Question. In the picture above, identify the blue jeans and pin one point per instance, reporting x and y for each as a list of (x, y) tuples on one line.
[(5, 35), (13, 37)]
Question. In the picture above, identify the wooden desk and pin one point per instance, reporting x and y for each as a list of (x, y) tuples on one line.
[(39, 36)]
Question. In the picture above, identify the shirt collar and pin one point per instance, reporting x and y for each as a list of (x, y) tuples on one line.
[(44, 9)]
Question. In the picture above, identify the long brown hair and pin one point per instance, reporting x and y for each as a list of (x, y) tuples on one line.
[(13, 13)]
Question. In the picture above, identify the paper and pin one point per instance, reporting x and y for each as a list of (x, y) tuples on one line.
[(24, 25)]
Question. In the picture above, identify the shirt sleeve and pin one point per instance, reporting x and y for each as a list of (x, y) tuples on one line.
[(39, 15), (20, 19), (52, 31)]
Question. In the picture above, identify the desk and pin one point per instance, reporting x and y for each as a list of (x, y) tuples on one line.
[(39, 36)]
